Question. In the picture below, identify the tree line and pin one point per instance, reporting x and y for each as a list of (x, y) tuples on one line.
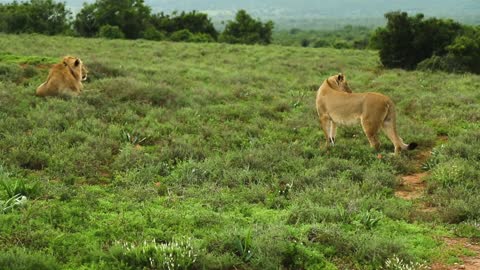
[(411, 42), (130, 19)]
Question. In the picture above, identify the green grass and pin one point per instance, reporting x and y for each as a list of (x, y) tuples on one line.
[(218, 146)]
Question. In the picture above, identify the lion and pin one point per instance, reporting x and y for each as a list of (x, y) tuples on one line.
[(64, 78), (337, 105)]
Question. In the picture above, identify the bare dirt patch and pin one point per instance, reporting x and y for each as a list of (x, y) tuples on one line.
[(469, 262), (412, 186)]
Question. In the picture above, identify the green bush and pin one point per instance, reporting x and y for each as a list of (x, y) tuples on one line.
[(201, 38), (177, 254), (22, 259), (181, 35), (10, 72), (110, 32), (151, 33), (447, 63)]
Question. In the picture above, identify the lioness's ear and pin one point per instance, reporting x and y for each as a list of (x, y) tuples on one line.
[(77, 62), (340, 77)]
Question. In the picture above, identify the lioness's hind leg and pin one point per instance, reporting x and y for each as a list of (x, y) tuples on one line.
[(333, 132), (391, 131), (325, 122), (371, 131)]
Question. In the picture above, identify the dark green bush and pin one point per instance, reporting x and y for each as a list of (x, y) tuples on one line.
[(21, 259), (246, 30), (151, 33), (10, 72), (181, 35), (110, 32), (447, 63)]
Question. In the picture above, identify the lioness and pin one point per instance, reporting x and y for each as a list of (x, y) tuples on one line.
[(336, 104), (64, 78)]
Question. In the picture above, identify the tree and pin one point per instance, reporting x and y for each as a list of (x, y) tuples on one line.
[(37, 16), (85, 22), (466, 50), (406, 41), (395, 41), (196, 23), (131, 16), (244, 29)]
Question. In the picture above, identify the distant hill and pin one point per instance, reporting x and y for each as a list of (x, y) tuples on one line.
[(289, 13)]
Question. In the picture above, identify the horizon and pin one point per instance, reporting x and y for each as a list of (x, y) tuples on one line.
[(285, 13)]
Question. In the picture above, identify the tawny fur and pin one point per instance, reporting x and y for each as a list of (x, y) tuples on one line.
[(64, 78), (337, 105)]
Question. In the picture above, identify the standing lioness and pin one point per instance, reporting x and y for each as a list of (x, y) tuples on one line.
[(336, 104)]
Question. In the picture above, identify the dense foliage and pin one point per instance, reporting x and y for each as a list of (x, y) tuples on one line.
[(131, 19), (408, 40), (208, 156), (37, 16), (246, 30), (131, 16)]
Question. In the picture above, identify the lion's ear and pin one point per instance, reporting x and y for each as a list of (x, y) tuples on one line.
[(340, 77), (77, 62)]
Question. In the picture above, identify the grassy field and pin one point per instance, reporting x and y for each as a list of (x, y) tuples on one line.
[(208, 156)]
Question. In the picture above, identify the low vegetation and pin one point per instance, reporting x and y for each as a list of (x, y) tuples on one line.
[(347, 37), (207, 156)]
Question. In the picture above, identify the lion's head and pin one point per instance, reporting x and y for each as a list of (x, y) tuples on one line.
[(76, 67), (339, 82)]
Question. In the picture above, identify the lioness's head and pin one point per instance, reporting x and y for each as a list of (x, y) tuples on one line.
[(339, 82), (76, 67)]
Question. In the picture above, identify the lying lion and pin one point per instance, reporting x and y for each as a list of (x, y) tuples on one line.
[(64, 78), (336, 104)]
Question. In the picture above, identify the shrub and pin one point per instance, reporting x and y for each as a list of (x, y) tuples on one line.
[(110, 32), (395, 263), (21, 259), (9, 72), (447, 63), (201, 38), (178, 254), (181, 35), (151, 33)]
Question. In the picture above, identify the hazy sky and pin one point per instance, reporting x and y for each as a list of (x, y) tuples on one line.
[(312, 8)]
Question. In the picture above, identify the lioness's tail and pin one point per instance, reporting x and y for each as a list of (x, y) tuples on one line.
[(40, 92), (390, 127), (412, 146)]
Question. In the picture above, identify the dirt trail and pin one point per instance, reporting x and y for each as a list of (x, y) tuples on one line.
[(413, 188), (469, 262)]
